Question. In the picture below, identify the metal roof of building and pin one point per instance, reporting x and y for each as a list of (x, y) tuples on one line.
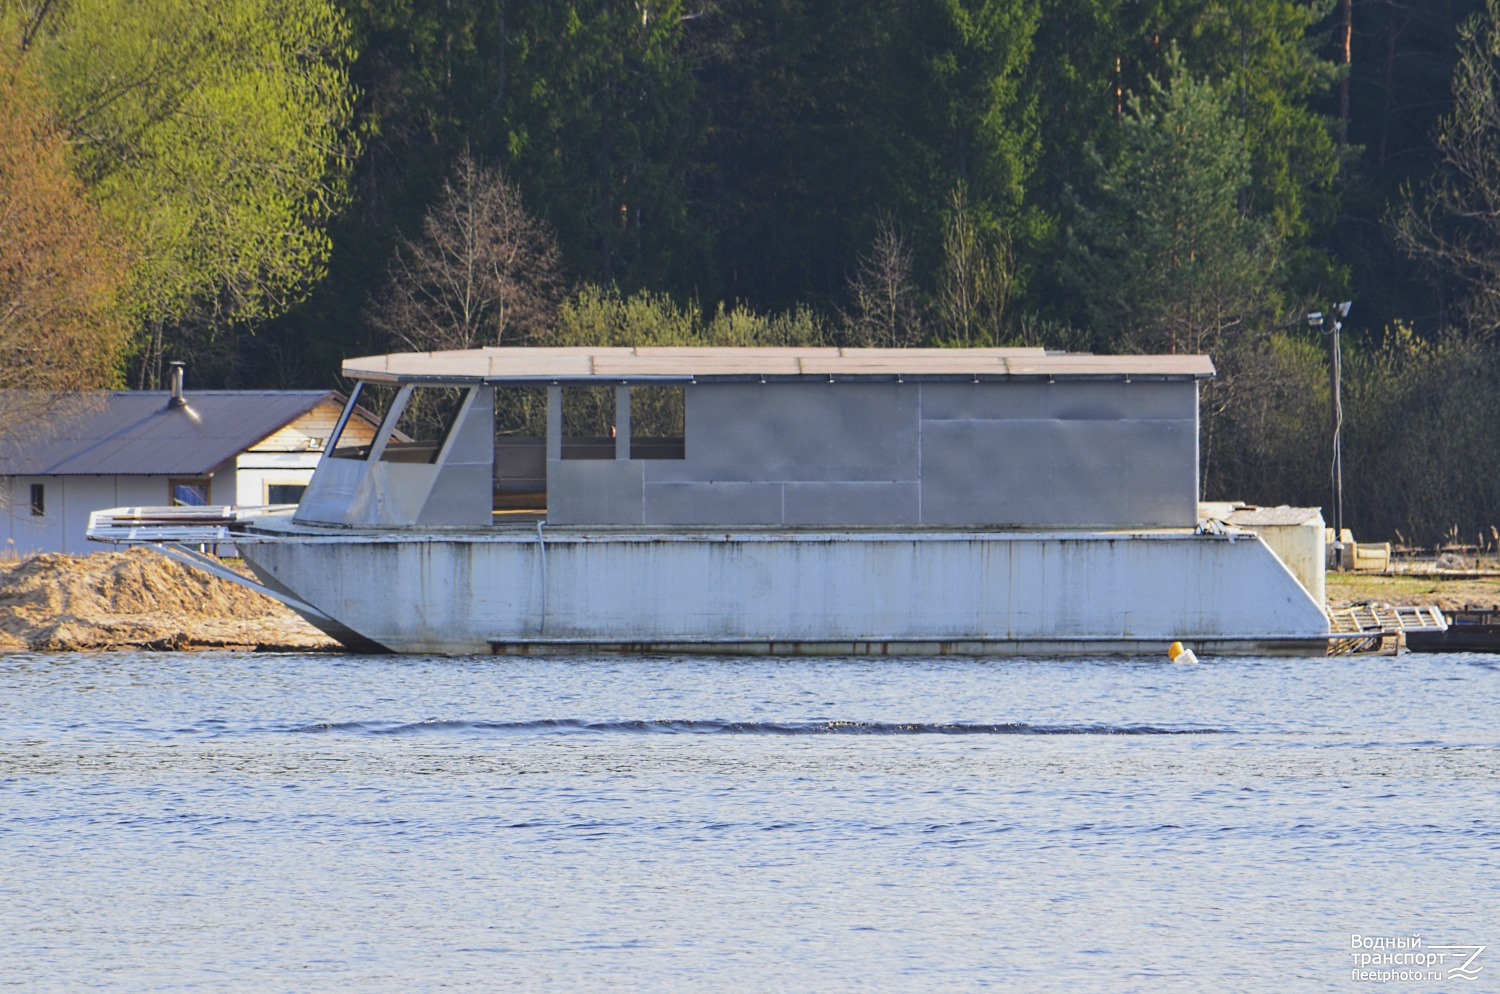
[(136, 433), (697, 364)]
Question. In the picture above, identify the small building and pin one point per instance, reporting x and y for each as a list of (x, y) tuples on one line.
[(244, 447), (1295, 534)]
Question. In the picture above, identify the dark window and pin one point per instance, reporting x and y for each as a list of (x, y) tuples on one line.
[(588, 415), (423, 424), (367, 405), (520, 483), (656, 423), (284, 493), (189, 493), (38, 499)]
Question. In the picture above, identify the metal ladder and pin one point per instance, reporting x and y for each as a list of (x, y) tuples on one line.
[(1378, 627)]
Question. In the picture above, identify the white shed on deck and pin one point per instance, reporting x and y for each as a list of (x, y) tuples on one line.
[(1295, 534)]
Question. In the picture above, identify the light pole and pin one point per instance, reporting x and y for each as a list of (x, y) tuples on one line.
[(1318, 320)]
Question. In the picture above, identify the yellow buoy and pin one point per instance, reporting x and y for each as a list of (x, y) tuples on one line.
[(1178, 654)]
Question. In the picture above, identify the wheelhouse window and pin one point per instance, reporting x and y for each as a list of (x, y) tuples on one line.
[(657, 417), (355, 433), (425, 418)]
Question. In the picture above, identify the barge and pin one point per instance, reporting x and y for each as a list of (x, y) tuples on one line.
[(761, 500)]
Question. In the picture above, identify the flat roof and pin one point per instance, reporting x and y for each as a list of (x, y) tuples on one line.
[(691, 364)]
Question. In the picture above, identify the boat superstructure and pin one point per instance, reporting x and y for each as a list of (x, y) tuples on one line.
[(764, 500)]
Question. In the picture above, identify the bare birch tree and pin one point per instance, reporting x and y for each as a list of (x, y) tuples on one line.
[(484, 272), (978, 271), (885, 311)]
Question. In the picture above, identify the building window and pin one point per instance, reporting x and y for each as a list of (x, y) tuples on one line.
[(285, 493), (38, 500), (189, 493)]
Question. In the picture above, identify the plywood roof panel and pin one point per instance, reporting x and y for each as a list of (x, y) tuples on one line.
[(678, 363)]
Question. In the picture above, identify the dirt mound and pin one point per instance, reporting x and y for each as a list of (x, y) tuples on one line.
[(139, 599)]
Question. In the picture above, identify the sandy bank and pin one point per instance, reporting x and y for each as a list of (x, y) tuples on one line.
[(138, 599)]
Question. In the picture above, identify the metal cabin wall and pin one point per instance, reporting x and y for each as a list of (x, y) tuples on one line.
[(1094, 453), (1088, 453), (455, 490)]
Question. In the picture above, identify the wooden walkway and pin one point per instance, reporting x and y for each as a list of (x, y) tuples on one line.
[(1378, 627)]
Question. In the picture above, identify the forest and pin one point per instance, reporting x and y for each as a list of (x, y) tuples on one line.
[(260, 188)]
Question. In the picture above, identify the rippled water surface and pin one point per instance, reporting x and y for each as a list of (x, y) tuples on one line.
[(228, 822)]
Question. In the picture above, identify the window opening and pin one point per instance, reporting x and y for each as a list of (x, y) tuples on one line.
[(285, 493), (657, 419), (423, 424), (520, 482), (357, 427), (588, 416), (38, 500)]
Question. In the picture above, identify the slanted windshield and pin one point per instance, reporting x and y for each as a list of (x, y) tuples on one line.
[(367, 408), (426, 417)]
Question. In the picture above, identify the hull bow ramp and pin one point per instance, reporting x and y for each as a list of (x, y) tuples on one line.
[(985, 501)]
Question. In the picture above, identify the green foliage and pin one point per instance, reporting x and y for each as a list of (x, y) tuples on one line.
[(1161, 255), (597, 316), (746, 155), (217, 134), (62, 265), (1268, 434), (977, 277), (982, 119), (603, 131), (1419, 444), (1455, 227), (1264, 52)]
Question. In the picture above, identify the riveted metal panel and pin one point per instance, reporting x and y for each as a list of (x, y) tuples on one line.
[(1064, 473), (780, 432), (719, 503), (892, 503), (595, 491), (1088, 400), (461, 593), (461, 490)]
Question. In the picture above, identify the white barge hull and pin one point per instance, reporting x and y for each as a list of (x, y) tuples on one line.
[(793, 591)]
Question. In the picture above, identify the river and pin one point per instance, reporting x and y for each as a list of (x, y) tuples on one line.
[(249, 822)]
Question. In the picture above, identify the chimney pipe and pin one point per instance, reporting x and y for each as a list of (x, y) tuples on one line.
[(177, 398)]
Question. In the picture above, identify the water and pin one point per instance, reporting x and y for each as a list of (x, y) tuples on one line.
[(236, 822)]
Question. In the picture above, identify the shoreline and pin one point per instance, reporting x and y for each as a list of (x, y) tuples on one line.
[(139, 599)]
